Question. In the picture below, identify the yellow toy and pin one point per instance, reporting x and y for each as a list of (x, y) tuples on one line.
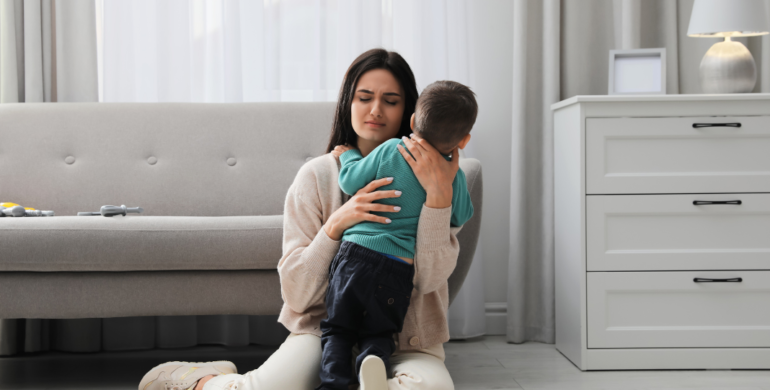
[(8, 209)]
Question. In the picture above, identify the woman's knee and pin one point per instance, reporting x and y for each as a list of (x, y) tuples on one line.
[(295, 365), (418, 371)]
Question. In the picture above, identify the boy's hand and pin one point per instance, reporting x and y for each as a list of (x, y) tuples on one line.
[(434, 173), (339, 149)]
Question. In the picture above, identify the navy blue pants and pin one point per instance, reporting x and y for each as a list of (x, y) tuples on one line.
[(366, 301)]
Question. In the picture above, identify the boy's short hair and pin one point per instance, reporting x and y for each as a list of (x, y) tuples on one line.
[(445, 113)]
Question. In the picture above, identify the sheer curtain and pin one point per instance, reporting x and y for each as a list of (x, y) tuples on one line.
[(288, 50), (47, 51), (252, 51)]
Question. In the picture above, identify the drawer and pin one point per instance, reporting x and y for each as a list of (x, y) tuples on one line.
[(671, 310), (669, 232), (669, 155)]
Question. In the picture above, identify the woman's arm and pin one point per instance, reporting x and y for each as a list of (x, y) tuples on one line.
[(307, 252), (437, 247), (309, 244)]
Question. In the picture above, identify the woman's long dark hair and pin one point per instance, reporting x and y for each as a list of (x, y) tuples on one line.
[(342, 128)]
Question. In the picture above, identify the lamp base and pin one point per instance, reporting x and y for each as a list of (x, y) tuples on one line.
[(728, 67)]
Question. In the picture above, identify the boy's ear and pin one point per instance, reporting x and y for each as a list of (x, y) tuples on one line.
[(411, 122), (464, 141)]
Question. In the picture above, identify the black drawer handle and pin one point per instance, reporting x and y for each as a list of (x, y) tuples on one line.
[(699, 125), (705, 280), (705, 202)]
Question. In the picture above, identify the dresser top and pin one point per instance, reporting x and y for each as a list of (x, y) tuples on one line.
[(659, 98)]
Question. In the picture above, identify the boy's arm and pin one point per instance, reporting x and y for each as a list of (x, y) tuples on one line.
[(358, 171), (462, 207)]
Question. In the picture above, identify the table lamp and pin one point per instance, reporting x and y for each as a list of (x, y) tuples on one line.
[(728, 66)]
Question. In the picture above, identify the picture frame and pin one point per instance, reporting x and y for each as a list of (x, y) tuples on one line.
[(637, 72)]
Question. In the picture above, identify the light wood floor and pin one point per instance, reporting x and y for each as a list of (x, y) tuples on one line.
[(491, 363), (476, 364)]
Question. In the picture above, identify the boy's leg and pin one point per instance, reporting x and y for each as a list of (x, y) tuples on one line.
[(385, 312), (340, 328), (381, 346), (336, 371), (376, 338)]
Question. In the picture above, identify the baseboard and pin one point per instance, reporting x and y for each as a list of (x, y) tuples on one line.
[(497, 317)]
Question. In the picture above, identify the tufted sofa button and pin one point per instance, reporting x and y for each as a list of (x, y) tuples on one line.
[(414, 341), (69, 160), (152, 160), (231, 161)]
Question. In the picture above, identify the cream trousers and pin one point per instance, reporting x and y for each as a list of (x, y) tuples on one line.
[(296, 364)]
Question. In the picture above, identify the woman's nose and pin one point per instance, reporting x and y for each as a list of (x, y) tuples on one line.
[(376, 109)]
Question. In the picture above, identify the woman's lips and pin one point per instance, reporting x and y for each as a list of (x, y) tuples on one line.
[(375, 124)]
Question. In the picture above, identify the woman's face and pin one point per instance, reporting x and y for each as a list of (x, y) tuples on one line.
[(377, 109)]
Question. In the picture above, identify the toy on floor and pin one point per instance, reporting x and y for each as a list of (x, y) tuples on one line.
[(109, 211), (8, 209)]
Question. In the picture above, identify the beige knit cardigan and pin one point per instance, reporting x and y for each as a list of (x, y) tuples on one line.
[(308, 252)]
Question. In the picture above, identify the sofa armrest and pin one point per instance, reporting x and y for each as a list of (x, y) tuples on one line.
[(469, 235)]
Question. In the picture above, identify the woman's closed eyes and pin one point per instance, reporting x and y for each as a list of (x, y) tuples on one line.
[(366, 100)]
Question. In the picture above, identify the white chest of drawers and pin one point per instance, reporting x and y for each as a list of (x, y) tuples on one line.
[(662, 231)]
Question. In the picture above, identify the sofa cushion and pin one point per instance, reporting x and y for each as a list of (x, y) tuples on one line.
[(140, 243), (172, 159)]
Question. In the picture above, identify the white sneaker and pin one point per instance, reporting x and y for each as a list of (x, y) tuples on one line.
[(373, 375), (183, 375)]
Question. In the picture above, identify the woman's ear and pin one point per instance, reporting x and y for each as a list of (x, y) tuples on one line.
[(411, 122), (464, 141)]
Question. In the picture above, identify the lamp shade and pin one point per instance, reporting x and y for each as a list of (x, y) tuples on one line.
[(735, 18)]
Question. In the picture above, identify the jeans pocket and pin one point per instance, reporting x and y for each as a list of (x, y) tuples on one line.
[(394, 303)]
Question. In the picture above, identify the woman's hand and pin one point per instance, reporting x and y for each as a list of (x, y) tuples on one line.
[(359, 208), (339, 149), (433, 171)]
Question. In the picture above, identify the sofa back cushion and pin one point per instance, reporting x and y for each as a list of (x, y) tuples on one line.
[(172, 159)]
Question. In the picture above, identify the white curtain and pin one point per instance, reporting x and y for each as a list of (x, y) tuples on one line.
[(47, 51), (560, 50), (289, 50)]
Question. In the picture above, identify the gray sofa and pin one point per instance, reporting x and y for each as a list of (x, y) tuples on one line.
[(212, 180)]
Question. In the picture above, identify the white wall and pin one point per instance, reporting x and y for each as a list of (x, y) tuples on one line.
[(491, 68)]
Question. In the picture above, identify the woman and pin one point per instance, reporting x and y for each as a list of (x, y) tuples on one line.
[(376, 102)]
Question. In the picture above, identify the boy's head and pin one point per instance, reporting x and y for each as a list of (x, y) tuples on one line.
[(445, 114)]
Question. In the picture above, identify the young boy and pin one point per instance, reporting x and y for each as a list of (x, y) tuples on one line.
[(370, 280)]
